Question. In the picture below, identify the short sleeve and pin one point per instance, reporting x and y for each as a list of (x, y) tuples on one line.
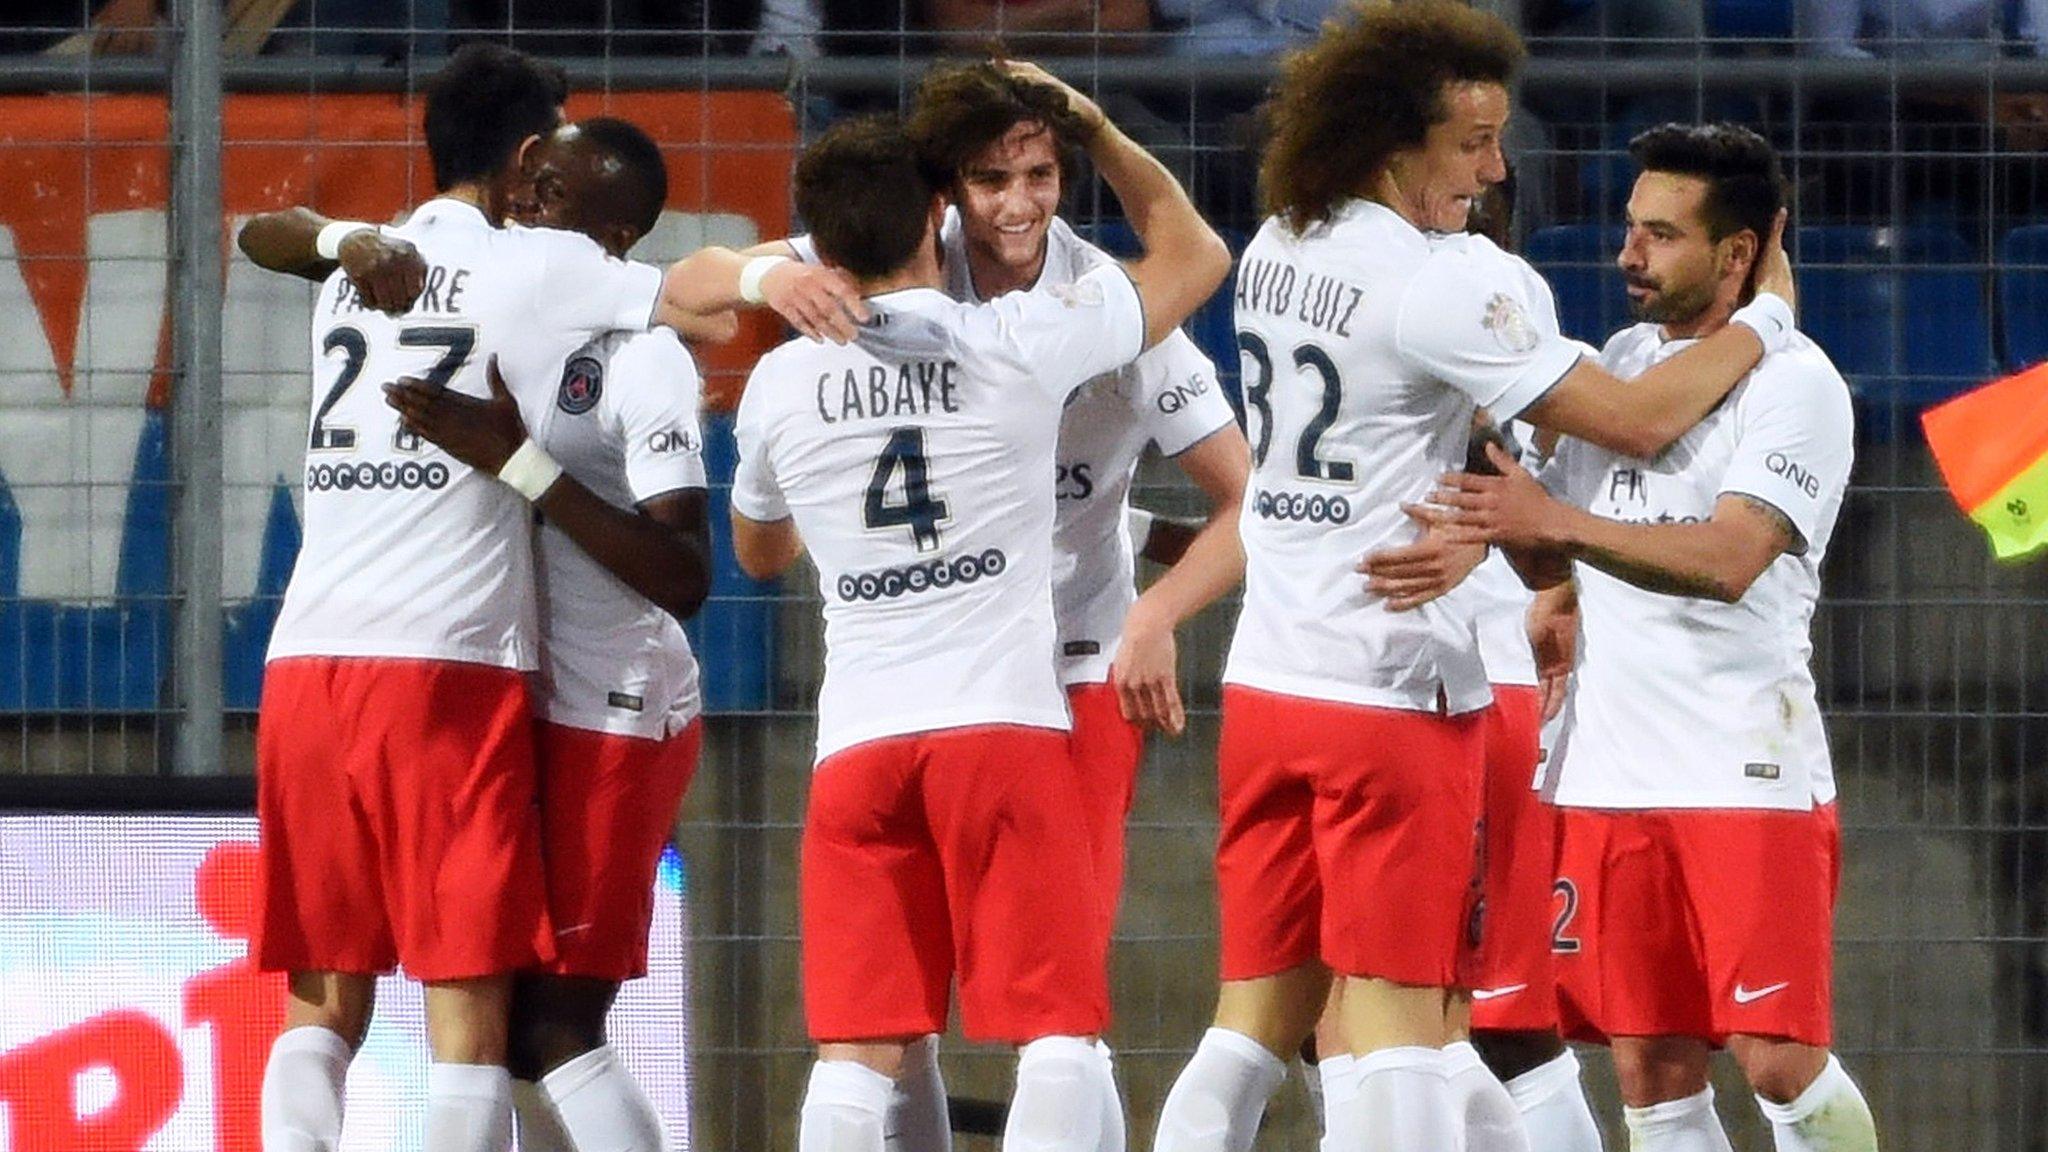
[(656, 386), (585, 289), (1068, 334), (1183, 404), (1795, 440), (755, 492), (1465, 323), (804, 249), (1569, 473)]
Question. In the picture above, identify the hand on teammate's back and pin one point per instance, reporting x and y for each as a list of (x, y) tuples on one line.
[(1415, 574), (820, 302), (481, 433), (1145, 674), (387, 271), (1511, 509)]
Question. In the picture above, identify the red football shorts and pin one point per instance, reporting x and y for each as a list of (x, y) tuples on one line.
[(607, 803), (960, 851), (1516, 988), (1107, 750), (395, 800), (1349, 834), (1697, 922)]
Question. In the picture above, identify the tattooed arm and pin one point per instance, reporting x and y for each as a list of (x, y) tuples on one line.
[(1717, 559)]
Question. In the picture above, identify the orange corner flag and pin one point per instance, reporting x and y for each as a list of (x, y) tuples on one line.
[(1992, 447)]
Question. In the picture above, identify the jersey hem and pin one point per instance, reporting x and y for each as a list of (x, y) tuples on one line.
[(940, 722), (1404, 700), (516, 660)]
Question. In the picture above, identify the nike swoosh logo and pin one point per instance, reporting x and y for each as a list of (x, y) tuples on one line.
[(1496, 993), (1747, 996)]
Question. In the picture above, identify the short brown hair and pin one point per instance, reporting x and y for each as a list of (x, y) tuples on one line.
[(865, 195), (961, 109), (1366, 89)]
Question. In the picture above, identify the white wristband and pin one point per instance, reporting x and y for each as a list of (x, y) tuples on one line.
[(1138, 525), (752, 275), (1770, 317), (328, 242), (530, 471)]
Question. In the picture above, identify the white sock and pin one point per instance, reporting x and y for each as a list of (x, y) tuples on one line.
[(1492, 1122), (918, 1121), (601, 1105), (1338, 1075), (469, 1108), (1687, 1125), (302, 1087), (1216, 1102), (844, 1107), (1553, 1105), (1115, 1128), (1830, 1116), (538, 1125), (1064, 1089), (1404, 1103)]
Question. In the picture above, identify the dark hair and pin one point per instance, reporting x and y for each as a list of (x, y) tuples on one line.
[(1745, 181), (961, 109), (865, 195), (642, 189), (483, 104), (1366, 89)]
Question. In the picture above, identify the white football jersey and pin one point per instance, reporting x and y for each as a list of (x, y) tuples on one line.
[(915, 465), (624, 422), (1168, 396), (1365, 346), (408, 553), (1689, 703)]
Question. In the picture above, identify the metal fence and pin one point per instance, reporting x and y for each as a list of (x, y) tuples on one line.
[(152, 400)]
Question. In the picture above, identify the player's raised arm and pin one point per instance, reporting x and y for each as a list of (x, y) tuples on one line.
[(1642, 417), (387, 270), (661, 550), (1185, 260)]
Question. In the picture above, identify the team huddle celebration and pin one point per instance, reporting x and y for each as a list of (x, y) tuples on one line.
[(1520, 746)]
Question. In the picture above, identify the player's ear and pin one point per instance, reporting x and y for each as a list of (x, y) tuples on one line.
[(1739, 252)]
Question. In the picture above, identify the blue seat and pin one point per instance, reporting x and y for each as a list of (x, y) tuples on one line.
[(1750, 19), (2023, 295), (1901, 311), (1578, 261)]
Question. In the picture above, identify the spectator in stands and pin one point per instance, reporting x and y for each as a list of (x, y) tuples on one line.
[(1040, 27), (1921, 28), (1242, 27)]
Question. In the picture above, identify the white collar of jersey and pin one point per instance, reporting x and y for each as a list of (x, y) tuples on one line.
[(447, 208), (908, 323)]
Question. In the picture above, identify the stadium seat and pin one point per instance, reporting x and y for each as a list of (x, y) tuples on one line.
[(1578, 260), (1750, 19), (734, 636), (1900, 310), (2023, 295)]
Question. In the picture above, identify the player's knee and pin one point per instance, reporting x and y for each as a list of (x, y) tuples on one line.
[(339, 1003), (1656, 1070), (1509, 1054), (1777, 1070), (553, 1021)]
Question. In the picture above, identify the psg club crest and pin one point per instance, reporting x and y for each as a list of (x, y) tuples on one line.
[(582, 384), (1509, 323)]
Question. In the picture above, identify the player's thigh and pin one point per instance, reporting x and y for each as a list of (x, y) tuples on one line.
[(1268, 886), (321, 887), (1008, 818), (1625, 936), (1106, 750), (1763, 885), (607, 804), (877, 937), (454, 799), (1397, 824), (1515, 988)]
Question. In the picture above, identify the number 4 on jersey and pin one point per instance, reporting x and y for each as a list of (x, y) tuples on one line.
[(919, 508)]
